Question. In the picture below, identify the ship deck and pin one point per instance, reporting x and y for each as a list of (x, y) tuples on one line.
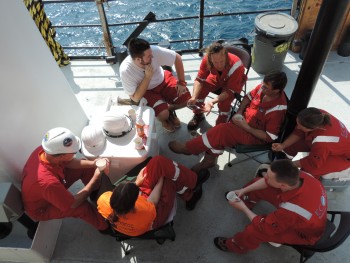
[(94, 82)]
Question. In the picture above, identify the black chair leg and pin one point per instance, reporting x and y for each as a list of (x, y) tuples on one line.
[(229, 160), (125, 247)]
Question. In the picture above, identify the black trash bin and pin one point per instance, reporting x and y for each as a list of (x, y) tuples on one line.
[(274, 32)]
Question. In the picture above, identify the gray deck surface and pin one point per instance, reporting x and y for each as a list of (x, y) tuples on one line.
[(93, 82)]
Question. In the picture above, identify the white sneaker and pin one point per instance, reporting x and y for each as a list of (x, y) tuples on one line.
[(275, 244), (262, 169)]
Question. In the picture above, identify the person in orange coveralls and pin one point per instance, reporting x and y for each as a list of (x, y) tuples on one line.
[(135, 208)]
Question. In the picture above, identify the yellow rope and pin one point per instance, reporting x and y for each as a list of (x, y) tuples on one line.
[(36, 10)]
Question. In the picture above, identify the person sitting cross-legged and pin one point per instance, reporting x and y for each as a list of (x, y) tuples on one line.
[(300, 216), (258, 121), (149, 203)]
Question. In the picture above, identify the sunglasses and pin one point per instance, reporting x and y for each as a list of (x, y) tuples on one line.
[(217, 48)]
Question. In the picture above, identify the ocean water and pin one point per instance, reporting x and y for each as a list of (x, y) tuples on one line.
[(122, 11)]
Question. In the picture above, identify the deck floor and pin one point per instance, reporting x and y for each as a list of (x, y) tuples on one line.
[(93, 82)]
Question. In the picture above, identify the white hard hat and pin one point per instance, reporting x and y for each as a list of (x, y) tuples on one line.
[(116, 124), (59, 141), (93, 139)]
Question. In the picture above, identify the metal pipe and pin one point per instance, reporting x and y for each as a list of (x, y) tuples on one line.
[(150, 17), (328, 20)]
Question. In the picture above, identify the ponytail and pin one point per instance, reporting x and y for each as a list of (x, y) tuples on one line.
[(313, 118)]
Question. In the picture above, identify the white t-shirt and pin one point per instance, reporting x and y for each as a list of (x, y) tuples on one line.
[(131, 75)]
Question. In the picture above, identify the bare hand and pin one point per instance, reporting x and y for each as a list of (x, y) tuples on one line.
[(208, 107), (240, 123), (148, 71), (277, 147), (191, 103), (240, 192), (140, 177), (106, 170), (180, 89)]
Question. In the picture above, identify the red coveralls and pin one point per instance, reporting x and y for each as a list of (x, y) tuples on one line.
[(231, 80), (159, 97), (266, 116), (177, 179), (329, 148), (45, 195), (300, 217)]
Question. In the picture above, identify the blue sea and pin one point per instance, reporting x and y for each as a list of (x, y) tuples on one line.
[(228, 27)]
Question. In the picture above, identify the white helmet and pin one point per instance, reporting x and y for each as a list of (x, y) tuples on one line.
[(60, 141), (93, 139), (116, 124)]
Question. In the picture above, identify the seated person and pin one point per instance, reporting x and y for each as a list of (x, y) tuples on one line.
[(135, 208), (263, 109), (142, 75), (299, 219), (324, 137), (219, 69), (50, 170)]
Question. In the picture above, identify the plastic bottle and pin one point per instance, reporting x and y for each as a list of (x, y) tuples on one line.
[(140, 126)]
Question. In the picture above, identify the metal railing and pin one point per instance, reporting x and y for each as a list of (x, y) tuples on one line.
[(112, 51)]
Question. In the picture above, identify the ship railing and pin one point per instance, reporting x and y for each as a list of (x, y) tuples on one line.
[(114, 53)]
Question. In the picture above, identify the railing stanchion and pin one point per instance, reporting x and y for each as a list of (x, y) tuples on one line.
[(106, 34), (201, 27)]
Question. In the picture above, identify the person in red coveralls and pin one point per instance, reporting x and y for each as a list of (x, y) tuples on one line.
[(50, 170), (219, 69), (300, 217), (261, 114), (325, 138)]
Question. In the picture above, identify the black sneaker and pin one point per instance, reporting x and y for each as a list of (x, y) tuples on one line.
[(193, 124), (202, 176), (197, 194)]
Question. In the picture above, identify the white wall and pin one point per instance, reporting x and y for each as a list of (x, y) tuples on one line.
[(35, 96)]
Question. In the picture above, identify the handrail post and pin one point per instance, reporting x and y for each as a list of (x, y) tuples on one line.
[(201, 26), (106, 34)]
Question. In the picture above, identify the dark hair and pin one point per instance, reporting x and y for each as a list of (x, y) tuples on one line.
[(214, 48), (312, 118), (286, 172), (123, 199), (278, 80), (137, 46)]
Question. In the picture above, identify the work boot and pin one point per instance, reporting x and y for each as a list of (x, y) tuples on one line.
[(195, 121), (197, 194), (202, 176), (178, 147), (174, 119)]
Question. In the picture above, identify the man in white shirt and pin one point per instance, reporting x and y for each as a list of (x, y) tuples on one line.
[(142, 75)]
